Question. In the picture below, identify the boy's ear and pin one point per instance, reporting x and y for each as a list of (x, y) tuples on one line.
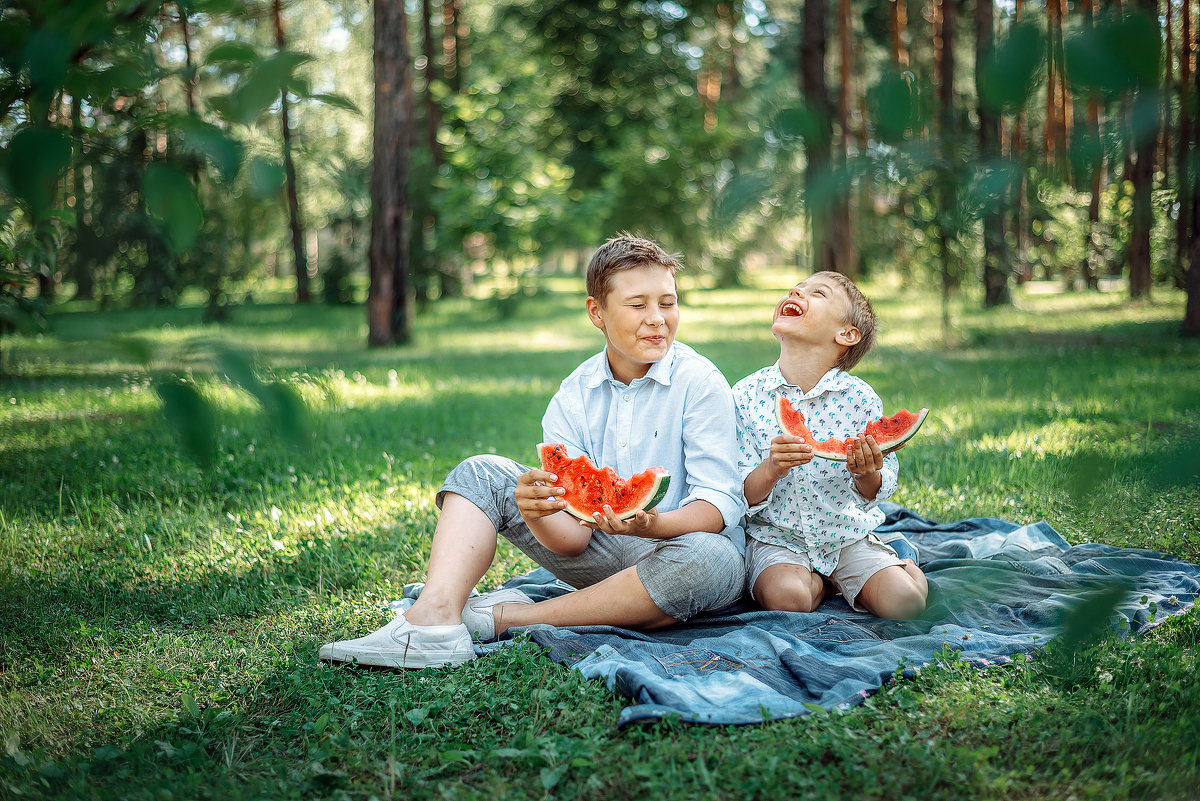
[(593, 310), (848, 336)]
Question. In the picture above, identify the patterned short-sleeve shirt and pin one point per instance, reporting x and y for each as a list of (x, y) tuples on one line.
[(815, 509)]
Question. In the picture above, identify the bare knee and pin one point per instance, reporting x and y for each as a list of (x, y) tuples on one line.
[(894, 594), (789, 588)]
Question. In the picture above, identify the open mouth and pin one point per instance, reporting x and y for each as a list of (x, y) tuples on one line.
[(791, 309)]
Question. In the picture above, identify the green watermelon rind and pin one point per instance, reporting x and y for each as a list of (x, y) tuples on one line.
[(658, 491), (890, 446)]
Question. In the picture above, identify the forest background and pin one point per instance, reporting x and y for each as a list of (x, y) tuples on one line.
[(149, 150), (211, 209)]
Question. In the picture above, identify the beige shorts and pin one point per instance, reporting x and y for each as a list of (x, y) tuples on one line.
[(856, 563)]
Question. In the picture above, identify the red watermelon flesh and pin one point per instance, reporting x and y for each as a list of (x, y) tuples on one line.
[(590, 488), (890, 433)]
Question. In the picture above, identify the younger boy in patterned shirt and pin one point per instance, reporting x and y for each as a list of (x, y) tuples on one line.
[(811, 521)]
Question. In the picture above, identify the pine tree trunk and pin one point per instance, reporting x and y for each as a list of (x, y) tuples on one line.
[(814, 89), (389, 299), (81, 264), (1185, 175), (1191, 280), (945, 20), (299, 255), (1142, 178), (1020, 224), (995, 259), (1089, 266), (847, 259)]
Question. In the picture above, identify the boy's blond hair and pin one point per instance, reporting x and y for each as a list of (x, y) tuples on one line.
[(861, 316), (624, 252)]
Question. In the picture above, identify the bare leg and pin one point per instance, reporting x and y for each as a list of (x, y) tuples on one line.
[(896, 592), (464, 545), (789, 588), (619, 600)]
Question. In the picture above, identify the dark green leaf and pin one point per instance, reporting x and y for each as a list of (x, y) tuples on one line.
[(288, 413), (1011, 75), (232, 53), (264, 84), (139, 349), (743, 192), (892, 106), (264, 177), (221, 148), (238, 368), (35, 162), (336, 100), (798, 123), (1092, 613), (171, 202), (191, 418)]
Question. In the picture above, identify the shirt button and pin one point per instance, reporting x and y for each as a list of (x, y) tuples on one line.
[(626, 398), (622, 443)]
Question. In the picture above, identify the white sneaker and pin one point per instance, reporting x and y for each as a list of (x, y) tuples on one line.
[(401, 644), (477, 614)]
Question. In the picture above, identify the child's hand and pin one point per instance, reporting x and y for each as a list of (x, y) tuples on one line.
[(863, 456), (640, 525), (536, 496), (788, 452)]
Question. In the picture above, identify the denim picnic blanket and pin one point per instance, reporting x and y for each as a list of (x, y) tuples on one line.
[(996, 589)]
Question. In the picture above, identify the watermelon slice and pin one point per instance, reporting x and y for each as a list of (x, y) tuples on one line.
[(589, 488), (890, 433)]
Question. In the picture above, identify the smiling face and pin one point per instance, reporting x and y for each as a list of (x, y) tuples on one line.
[(639, 317), (816, 310)]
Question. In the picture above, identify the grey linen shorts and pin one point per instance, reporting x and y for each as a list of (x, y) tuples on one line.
[(684, 576)]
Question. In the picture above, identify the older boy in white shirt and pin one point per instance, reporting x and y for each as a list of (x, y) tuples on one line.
[(645, 400), (812, 520)]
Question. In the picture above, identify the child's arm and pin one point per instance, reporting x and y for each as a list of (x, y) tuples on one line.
[(786, 452), (541, 506)]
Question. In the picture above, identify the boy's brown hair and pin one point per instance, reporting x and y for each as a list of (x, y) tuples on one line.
[(624, 252), (861, 316)]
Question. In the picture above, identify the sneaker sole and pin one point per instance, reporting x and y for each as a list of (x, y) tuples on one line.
[(409, 661)]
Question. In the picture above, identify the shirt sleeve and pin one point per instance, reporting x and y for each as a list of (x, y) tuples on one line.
[(562, 422), (748, 406), (710, 443)]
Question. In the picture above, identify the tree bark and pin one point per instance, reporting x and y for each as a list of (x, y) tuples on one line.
[(299, 254), (824, 215), (844, 211), (898, 22), (945, 20), (1191, 279), (1090, 264), (995, 261), (1137, 253), (389, 299), (1184, 173)]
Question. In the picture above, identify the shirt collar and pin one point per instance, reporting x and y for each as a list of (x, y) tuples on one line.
[(660, 371), (832, 381)]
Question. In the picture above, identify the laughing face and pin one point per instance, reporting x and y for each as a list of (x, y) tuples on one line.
[(639, 318), (816, 309)]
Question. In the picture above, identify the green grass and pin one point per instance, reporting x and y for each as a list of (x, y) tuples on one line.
[(159, 626)]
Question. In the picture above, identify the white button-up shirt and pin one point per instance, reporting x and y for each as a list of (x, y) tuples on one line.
[(678, 416), (815, 509)]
